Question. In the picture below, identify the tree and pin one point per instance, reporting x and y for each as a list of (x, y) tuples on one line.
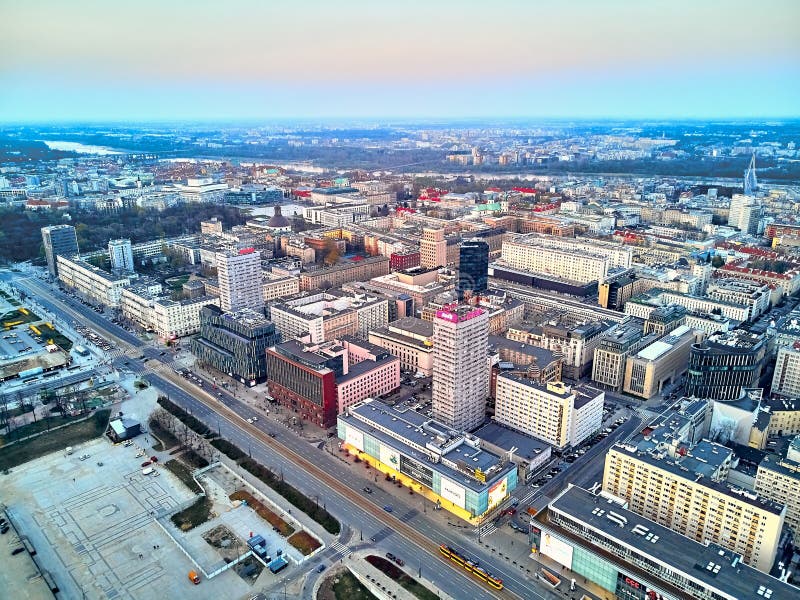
[(332, 253), (717, 262)]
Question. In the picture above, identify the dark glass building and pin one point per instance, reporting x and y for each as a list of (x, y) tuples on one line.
[(235, 343), (724, 364), (59, 240), (473, 269)]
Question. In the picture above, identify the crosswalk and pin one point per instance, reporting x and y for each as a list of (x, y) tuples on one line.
[(487, 529), (339, 549)]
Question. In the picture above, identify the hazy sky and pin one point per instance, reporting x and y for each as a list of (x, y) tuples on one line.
[(168, 59)]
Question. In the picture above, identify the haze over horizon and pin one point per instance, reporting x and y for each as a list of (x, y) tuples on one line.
[(145, 61)]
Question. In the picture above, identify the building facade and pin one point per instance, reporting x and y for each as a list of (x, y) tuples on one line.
[(411, 340), (239, 276), (235, 342), (120, 253), (661, 363), (90, 282), (725, 363), (460, 366), (786, 379), (473, 268), (59, 240)]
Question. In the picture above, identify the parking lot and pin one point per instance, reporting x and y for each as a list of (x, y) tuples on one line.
[(92, 522)]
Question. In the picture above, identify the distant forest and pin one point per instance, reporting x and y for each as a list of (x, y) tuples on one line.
[(21, 239)]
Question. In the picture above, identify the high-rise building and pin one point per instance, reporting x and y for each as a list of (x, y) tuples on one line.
[(120, 253), (786, 380), (433, 249), (725, 363), (745, 213), (59, 240), (239, 276), (473, 268), (460, 366)]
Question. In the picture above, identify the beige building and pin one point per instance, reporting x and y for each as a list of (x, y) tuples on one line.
[(433, 248), (779, 480), (279, 286), (659, 364), (613, 350), (786, 380), (90, 282), (683, 490), (411, 340), (345, 272), (553, 412), (157, 313), (239, 275)]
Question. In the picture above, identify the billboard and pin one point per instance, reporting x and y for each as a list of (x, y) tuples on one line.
[(416, 471), (498, 492), (355, 438), (453, 492), (390, 457), (557, 550)]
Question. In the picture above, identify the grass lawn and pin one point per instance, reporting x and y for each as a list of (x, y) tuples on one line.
[(176, 283), (349, 588), (59, 339), (20, 316), (394, 572), (197, 514), (71, 435), (37, 427), (304, 542), (184, 473), (264, 512)]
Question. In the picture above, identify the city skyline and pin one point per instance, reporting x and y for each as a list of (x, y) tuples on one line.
[(261, 61)]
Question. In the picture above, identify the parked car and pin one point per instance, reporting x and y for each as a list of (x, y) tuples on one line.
[(320, 568), (400, 561), (368, 490), (154, 459), (388, 508), (390, 556)]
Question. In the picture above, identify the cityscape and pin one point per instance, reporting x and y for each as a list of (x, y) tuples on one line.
[(437, 302)]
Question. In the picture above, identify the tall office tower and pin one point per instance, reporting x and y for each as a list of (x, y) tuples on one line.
[(239, 277), (702, 270), (473, 268), (460, 366), (59, 240), (745, 213), (433, 249), (120, 253), (786, 380), (750, 181)]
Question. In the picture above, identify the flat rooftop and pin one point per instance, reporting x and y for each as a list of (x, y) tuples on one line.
[(411, 427), (503, 437), (728, 575)]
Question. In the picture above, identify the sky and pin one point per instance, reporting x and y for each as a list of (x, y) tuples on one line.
[(131, 60)]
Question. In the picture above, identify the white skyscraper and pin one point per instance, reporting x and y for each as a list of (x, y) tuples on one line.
[(745, 213), (240, 280), (121, 254), (786, 380), (460, 366)]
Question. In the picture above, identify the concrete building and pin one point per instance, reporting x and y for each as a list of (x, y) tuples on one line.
[(664, 319), (554, 413), (613, 350), (754, 295), (634, 557), (779, 480), (421, 284), (202, 189), (315, 380), (433, 249), (90, 282), (661, 363), (745, 213), (157, 313), (786, 379), (460, 366), (411, 340), (239, 276), (212, 226), (683, 488), (120, 253), (724, 364), (337, 275), (59, 240), (329, 315), (643, 304), (235, 342), (276, 286), (464, 478)]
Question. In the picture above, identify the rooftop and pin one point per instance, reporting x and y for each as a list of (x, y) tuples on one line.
[(710, 565)]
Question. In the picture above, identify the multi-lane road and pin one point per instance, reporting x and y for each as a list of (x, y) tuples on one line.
[(407, 532)]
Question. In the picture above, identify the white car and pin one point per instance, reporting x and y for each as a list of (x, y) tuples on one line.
[(249, 420), (255, 419)]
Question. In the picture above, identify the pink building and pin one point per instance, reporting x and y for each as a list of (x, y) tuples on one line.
[(371, 371)]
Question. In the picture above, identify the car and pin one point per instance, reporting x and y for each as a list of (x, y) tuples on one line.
[(368, 490), (272, 434), (511, 511), (320, 568), (4, 529), (255, 419), (388, 508), (146, 464), (16, 551), (400, 561), (154, 459), (390, 556)]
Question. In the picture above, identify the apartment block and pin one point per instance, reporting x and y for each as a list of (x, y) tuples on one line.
[(239, 276), (335, 276), (553, 412), (59, 240), (754, 295), (90, 282), (278, 286), (778, 479), (786, 379), (411, 340)]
